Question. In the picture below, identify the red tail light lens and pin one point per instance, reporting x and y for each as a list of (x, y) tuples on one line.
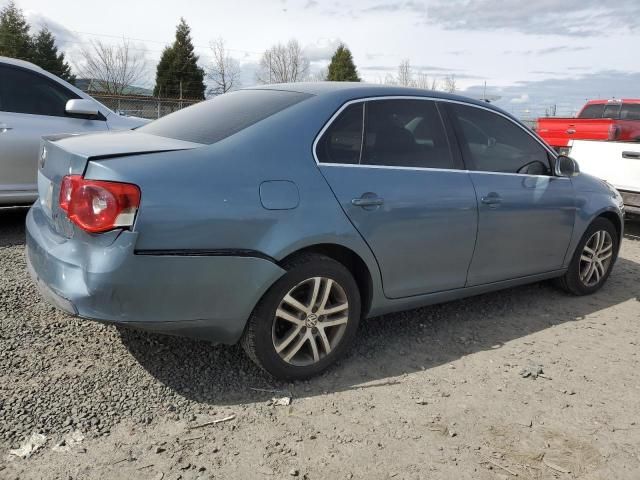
[(98, 206)]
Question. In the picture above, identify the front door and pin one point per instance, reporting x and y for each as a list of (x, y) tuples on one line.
[(31, 106), (398, 183), (526, 214)]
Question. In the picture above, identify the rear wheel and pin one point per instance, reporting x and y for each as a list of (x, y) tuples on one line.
[(593, 259), (306, 320)]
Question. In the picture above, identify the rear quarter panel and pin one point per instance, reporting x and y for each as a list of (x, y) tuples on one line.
[(209, 198)]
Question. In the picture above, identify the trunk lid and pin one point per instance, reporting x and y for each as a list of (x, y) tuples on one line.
[(62, 155)]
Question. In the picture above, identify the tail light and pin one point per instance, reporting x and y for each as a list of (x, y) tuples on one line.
[(614, 131), (98, 206)]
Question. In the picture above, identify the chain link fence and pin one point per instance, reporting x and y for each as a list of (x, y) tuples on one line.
[(142, 106)]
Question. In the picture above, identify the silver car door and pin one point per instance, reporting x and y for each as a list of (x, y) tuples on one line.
[(31, 106)]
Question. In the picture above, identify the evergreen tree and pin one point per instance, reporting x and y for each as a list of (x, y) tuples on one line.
[(178, 71), (45, 55), (342, 68), (15, 41)]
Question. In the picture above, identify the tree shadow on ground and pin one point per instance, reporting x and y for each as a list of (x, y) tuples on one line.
[(386, 346)]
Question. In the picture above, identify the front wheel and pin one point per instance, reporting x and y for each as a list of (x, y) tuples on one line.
[(306, 320), (593, 259)]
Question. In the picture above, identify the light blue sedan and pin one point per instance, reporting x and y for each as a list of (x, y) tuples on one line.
[(281, 216)]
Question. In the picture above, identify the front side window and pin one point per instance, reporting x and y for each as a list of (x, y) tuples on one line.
[(492, 143), (23, 91), (405, 133)]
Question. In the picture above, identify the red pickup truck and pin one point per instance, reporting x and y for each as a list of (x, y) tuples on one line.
[(598, 120)]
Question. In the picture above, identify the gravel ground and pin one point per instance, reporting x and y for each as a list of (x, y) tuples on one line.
[(450, 391)]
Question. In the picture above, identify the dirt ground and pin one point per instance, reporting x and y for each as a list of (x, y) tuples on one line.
[(528, 383)]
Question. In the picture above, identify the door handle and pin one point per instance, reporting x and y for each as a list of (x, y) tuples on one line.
[(367, 200), (4, 128), (492, 199), (571, 131), (631, 155)]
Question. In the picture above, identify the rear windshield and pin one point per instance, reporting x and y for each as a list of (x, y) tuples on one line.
[(213, 120)]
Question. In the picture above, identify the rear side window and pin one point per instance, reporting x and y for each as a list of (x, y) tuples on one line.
[(630, 111), (342, 141), (405, 133), (213, 120), (23, 91), (592, 111)]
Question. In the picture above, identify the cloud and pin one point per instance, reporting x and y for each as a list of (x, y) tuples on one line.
[(547, 17), (415, 68), (547, 51), (322, 50), (396, 6), (531, 98), (524, 98), (65, 39)]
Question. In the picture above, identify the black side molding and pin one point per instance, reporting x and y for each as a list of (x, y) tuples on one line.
[(198, 252)]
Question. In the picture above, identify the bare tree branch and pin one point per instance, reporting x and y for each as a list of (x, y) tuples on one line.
[(449, 84), (112, 68), (422, 80), (225, 71), (405, 74), (283, 63)]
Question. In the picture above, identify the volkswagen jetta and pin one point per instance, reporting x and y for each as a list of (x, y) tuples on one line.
[(280, 216)]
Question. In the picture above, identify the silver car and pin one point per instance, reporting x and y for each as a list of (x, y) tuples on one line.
[(34, 103)]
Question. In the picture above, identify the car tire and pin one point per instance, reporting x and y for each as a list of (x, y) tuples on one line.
[(586, 275), (297, 312)]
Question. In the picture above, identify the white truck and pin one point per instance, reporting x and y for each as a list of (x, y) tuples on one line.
[(616, 162)]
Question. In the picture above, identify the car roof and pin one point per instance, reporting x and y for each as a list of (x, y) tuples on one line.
[(346, 91), (613, 101), (19, 63)]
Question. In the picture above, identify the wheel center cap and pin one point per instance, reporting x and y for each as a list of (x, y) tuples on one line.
[(311, 320)]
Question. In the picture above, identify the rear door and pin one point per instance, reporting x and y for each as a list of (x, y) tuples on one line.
[(31, 106), (526, 214), (390, 165)]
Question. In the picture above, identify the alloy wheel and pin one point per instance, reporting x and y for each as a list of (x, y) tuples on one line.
[(310, 321), (596, 258)]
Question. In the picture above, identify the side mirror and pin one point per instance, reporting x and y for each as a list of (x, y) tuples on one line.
[(83, 107), (566, 167)]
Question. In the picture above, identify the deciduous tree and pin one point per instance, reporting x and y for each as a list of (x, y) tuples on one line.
[(224, 74), (112, 68), (283, 63)]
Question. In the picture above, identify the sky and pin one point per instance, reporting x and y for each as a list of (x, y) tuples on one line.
[(531, 53)]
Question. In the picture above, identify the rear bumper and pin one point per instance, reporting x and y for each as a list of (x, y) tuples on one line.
[(206, 297)]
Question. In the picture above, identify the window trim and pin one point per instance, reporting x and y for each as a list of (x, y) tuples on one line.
[(446, 126)]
